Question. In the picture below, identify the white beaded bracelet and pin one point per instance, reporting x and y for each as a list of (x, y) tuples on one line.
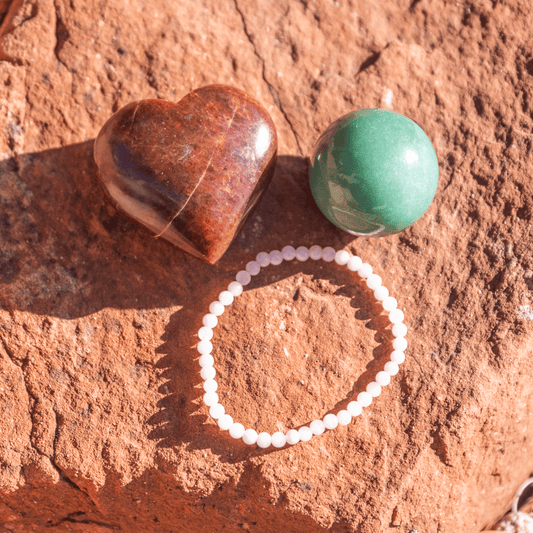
[(330, 421)]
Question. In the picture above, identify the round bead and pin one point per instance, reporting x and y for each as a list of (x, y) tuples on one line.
[(381, 293), (317, 427), (205, 334), (216, 411), (289, 253), (225, 422), (373, 389), (354, 408), (391, 368), (331, 421), (373, 172), (205, 347), (305, 433), (399, 344), (225, 298), (236, 430), (302, 253), (210, 321), (397, 357), (399, 330), (206, 360), (253, 268), (243, 277), (389, 303), (372, 282), (293, 437), (210, 385), (342, 257), (279, 440), (396, 316), (216, 308), (328, 254), (382, 378), (208, 372), (354, 263), (263, 259), (235, 288), (315, 253), (210, 398), (344, 417), (264, 440), (250, 437), (364, 399), (276, 257), (365, 270)]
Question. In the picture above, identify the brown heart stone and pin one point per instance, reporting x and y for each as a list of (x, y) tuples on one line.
[(190, 172)]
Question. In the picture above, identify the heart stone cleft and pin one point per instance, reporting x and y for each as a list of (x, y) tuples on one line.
[(190, 172)]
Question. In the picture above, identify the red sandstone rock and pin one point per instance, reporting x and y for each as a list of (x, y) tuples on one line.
[(191, 172), (102, 423)]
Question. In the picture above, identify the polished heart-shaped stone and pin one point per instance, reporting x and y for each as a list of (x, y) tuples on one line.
[(192, 171)]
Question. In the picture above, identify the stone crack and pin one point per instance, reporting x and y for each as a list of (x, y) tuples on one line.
[(9, 353), (11, 356), (62, 34), (371, 60), (203, 175), (419, 366), (33, 399), (63, 474), (273, 91), (75, 518)]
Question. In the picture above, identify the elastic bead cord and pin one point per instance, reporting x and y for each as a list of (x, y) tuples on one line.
[(330, 421)]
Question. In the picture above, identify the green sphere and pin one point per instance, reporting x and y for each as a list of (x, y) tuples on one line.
[(373, 172)]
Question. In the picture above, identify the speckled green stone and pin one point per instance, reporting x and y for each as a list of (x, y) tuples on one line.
[(374, 172)]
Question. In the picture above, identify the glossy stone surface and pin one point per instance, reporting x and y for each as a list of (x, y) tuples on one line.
[(190, 172), (374, 172)]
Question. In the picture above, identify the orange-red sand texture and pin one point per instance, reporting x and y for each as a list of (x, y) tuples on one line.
[(102, 424)]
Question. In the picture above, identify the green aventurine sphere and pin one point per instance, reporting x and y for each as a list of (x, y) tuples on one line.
[(374, 172)]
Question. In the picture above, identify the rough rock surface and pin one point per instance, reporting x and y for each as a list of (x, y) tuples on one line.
[(102, 425)]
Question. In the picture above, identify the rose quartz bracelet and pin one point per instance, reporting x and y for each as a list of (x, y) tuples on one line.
[(330, 421)]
